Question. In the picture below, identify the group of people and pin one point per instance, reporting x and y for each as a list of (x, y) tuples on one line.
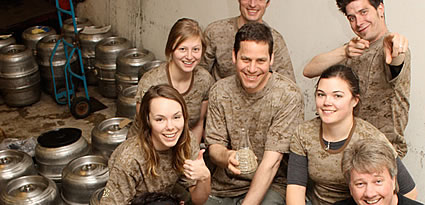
[(234, 82)]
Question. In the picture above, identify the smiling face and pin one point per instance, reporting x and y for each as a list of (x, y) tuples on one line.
[(252, 63), (373, 188), (334, 100), (366, 21), (252, 10), (166, 124), (187, 55)]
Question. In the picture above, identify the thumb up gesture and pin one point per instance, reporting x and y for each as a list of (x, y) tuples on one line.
[(196, 169)]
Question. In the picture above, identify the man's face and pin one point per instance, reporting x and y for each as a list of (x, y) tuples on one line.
[(366, 22), (373, 188), (252, 65), (252, 10)]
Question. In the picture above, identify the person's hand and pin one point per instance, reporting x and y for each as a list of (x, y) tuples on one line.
[(395, 45), (196, 169), (233, 163), (356, 47)]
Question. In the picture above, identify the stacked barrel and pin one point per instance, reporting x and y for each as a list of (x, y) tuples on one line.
[(88, 43), (19, 76), (107, 51)]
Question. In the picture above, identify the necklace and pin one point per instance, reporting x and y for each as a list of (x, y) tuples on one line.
[(327, 146)]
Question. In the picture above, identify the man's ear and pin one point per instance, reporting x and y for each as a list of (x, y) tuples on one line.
[(381, 10)]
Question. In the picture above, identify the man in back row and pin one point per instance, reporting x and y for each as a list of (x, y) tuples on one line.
[(220, 37), (256, 106), (382, 62)]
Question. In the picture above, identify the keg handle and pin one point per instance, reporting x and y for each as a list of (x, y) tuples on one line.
[(5, 160), (27, 188)]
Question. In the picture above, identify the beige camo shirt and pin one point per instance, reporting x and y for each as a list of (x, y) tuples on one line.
[(269, 116), (220, 36), (384, 100), (328, 184), (194, 96), (128, 174)]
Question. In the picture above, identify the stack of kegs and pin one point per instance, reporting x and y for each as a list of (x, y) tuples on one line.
[(5, 40), (44, 52), (107, 51), (88, 41), (19, 76)]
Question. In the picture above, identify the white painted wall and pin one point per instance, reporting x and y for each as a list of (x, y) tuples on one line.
[(309, 28)]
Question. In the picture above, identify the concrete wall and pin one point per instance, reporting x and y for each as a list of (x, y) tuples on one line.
[(308, 26)]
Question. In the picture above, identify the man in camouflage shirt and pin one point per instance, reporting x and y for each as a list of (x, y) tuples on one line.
[(265, 104), (220, 36), (382, 62)]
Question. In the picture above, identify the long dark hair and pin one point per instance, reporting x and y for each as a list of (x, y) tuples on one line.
[(182, 150)]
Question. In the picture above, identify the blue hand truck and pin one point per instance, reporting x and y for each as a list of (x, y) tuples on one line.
[(78, 105)]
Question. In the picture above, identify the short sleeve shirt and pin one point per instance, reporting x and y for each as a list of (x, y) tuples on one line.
[(269, 118), (194, 96), (328, 184), (220, 37), (384, 100), (128, 174)]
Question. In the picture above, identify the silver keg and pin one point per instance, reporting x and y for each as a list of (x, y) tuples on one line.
[(56, 148), (129, 62), (68, 27), (7, 40), (30, 190), (107, 51), (44, 51), (148, 66), (33, 34), (126, 103), (96, 196), (88, 45), (19, 76), (82, 177), (107, 135), (13, 164)]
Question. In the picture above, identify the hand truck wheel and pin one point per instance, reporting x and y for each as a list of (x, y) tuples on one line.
[(80, 107)]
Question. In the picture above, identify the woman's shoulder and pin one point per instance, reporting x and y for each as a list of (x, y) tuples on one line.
[(202, 73), (366, 130), (126, 154), (155, 73)]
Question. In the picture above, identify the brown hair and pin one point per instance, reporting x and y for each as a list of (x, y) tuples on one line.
[(254, 31), (183, 29), (369, 156), (182, 150), (342, 4)]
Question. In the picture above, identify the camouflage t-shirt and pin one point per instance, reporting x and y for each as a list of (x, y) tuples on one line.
[(269, 117), (326, 181), (384, 100), (128, 174), (194, 96), (220, 37)]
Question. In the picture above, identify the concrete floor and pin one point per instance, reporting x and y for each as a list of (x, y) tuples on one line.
[(45, 115)]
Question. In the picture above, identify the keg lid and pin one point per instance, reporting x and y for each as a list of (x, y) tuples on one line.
[(59, 137)]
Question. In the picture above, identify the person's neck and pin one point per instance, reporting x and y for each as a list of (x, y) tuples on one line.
[(241, 21), (395, 199), (382, 34), (180, 80), (338, 131)]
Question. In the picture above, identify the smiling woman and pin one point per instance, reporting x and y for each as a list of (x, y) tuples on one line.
[(184, 49), (317, 145), (161, 155)]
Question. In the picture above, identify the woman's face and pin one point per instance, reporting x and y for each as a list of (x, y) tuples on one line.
[(334, 100), (167, 122), (188, 54)]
